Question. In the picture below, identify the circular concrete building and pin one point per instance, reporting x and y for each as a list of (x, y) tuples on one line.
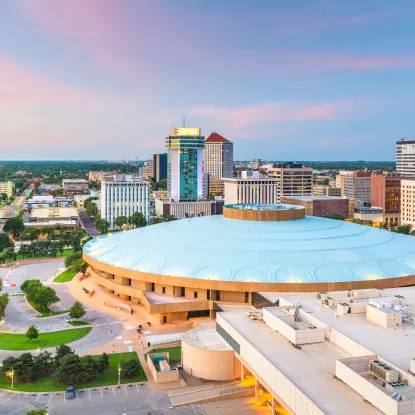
[(250, 249), (206, 355)]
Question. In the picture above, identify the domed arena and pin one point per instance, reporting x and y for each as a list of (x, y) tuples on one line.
[(249, 249)]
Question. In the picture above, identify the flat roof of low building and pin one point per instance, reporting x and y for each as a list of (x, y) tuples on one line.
[(395, 345), (158, 298), (205, 338), (74, 181), (58, 212), (311, 369)]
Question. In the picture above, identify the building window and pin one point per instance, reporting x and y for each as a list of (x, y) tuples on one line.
[(246, 296), (164, 290), (208, 294), (228, 338), (194, 294)]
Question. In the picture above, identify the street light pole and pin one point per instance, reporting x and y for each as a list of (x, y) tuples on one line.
[(119, 373), (12, 377)]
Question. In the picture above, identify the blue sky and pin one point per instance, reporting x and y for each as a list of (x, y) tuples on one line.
[(305, 80)]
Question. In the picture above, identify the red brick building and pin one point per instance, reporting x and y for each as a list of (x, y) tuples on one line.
[(386, 193), (320, 205)]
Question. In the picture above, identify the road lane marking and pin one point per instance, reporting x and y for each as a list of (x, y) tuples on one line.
[(77, 394), (89, 393), (37, 397), (113, 390), (101, 394), (125, 390), (138, 390), (50, 398), (8, 399)]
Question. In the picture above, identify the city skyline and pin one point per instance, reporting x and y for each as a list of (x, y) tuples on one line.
[(105, 80)]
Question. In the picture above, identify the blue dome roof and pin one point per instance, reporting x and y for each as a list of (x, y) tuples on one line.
[(215, 248)]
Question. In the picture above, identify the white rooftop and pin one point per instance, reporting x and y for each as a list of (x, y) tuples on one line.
[(396, 345), (311, 369), (205, 338)]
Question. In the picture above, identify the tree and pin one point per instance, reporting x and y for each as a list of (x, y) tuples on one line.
[(404, 229), (77, 310), (4, 300), (61, 351), (138, 220), (335, 216), (121, 221), (3, 196), (69, 261), (29, 234), (14, 226), (102, 225), (32, 333), (45, 296), (104, 362), (70, 369), (129, 368), (90, 367), (5, 242), (39, 411)]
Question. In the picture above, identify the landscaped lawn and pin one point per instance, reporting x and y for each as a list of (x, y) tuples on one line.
[(43, 313), (108, 378), (65, 276), (76, 323), (12, 341), (175, 353)]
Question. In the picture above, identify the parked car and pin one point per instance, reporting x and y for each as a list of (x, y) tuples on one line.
[(70, 392)]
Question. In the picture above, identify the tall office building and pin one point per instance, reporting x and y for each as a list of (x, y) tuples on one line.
[(184, 164), (386, 193), (122, 195), (160, 167), (292, 179), (405, 158), (357, 186), (218, 157), (7, 188), (147, 171)]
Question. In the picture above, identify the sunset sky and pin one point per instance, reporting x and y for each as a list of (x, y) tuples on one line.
[(301, 80)]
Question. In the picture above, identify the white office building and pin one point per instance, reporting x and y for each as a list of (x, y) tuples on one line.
[(408, 202), (251, 190), (405, 158), (122, 195)]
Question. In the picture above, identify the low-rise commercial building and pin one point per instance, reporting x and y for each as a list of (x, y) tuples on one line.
[(48, 202), (357, 186), (319, 190), (369, 213), (321, 205), (98, 176), (71, 184), (408, 202), (189, 209), (51, 216), (253, 189)]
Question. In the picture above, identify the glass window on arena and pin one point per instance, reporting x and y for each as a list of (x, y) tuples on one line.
[(228, 338)]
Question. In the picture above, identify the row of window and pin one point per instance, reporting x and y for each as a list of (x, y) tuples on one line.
[(228, 338)]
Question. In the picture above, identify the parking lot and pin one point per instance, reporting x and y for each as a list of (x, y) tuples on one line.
[(136, 399)]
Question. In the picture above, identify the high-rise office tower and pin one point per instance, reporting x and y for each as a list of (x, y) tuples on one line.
[(357, 186), (405, 158), (160, 166), (218, 158), (184, 164)]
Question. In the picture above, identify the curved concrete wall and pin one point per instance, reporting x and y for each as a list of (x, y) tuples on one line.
[(209, 364), (263, 215), (196, 283)]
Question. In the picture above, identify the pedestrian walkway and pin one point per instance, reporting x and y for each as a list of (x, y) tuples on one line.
[(23, 307)]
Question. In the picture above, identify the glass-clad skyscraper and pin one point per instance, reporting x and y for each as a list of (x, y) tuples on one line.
[(184, 164)]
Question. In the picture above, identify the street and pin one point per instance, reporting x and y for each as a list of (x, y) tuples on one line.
[(87, 223)]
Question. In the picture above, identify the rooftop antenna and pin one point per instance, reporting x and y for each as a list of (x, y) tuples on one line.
[(184, 121)]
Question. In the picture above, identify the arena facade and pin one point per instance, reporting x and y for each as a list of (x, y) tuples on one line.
[(188, 268)]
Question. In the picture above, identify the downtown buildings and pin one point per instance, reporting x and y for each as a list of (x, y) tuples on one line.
[(7, 188), (123, 195)]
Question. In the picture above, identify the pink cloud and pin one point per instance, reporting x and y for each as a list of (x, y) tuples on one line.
[(271, 112), (23, 88)]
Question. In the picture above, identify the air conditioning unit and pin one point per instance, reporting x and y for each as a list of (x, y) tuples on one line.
[(321, 296), (385, 372)]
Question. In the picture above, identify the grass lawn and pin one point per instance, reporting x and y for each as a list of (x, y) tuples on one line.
[(12, 341), (65, 276), (65, 253), (76, 323), (43, 313), (174, 352), (108, 378)]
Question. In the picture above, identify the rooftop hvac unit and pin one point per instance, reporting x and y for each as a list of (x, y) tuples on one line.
[(321, 296), (384, 372), (332, 302)]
